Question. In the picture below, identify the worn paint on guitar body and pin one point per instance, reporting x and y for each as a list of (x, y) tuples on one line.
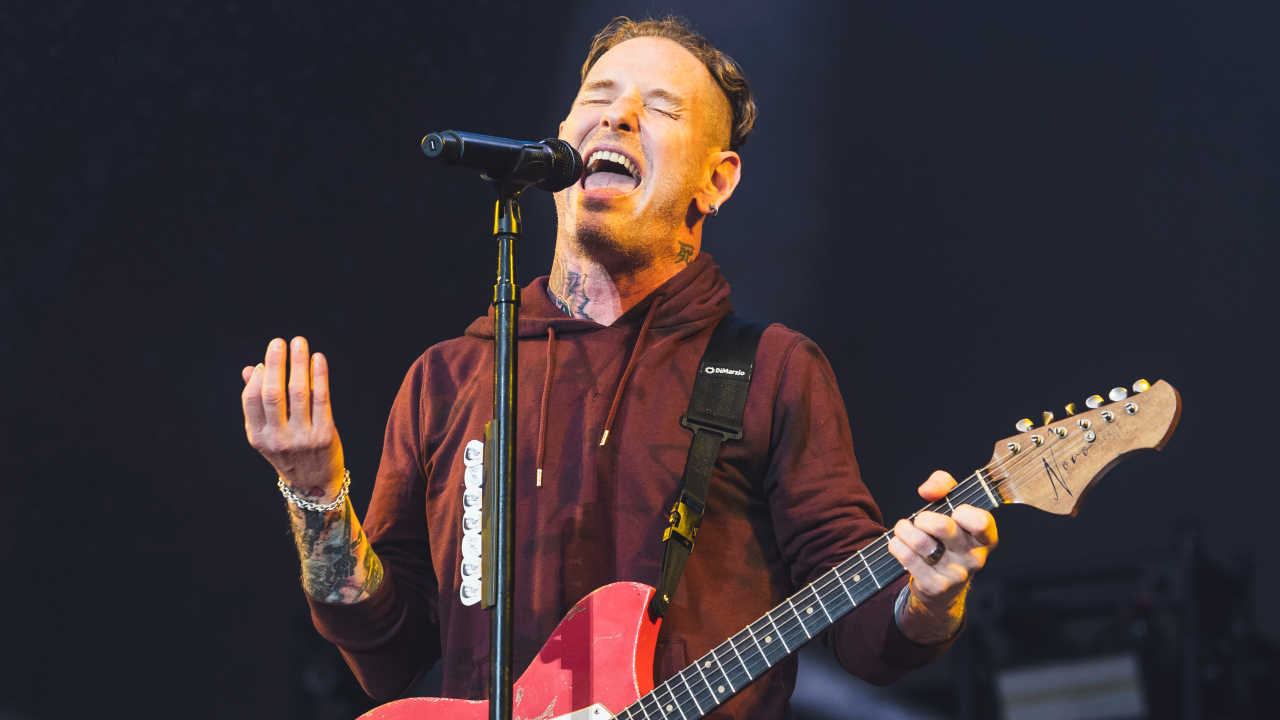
[(601, 652)]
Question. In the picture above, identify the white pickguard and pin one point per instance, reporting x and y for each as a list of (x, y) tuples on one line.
[(595, 712)]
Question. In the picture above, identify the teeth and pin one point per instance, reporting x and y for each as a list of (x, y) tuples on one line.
[(614, 157)]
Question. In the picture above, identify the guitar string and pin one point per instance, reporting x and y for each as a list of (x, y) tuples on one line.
[(1012, 481), (789, 625), (1015, 478), (820, 588)]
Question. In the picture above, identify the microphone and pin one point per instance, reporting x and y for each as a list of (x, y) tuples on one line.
[(550, 165)]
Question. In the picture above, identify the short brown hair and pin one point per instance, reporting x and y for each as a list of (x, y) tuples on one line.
[(732, 81)]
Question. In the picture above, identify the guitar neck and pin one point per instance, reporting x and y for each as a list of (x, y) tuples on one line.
[(738, 661)]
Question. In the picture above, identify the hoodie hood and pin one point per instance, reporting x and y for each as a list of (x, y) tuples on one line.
[(697, 293)]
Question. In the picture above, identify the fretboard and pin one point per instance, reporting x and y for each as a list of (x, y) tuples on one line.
[(735, 663)]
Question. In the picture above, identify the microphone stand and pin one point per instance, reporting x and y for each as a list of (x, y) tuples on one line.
[(498, 573), (551, 170), (497, 559)]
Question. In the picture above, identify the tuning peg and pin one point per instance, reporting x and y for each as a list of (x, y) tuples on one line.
[(1024, 425), (1118, 394), (1094, 402), (1048, 417), (1071, 408), (1141, 386)]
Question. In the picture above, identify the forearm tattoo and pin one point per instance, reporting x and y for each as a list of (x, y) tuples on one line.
[(338, 565), (571, 296)]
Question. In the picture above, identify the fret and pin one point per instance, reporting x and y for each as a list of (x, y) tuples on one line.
[(702, 688), (822, 605), (679, 687), (805, 611), (792, 639), (723, 674), (750, 676), (697, 704), (776, 631), (704, 696), (950, 507), (834, 600), (708, 673), (668, 706), (745, 676), (844, 587), (987, 488), (654, 704), (799, 619), (758, 647), (868, 567)]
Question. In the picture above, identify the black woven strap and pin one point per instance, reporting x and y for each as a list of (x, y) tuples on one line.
[(715, 415)]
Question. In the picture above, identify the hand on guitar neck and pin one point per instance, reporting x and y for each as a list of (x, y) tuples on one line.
[(934, 608)]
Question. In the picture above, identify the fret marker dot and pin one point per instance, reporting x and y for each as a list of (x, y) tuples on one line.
[(768, 639), (809, 610), (720, 689), (856, 578), (707, 665), (669, 708)]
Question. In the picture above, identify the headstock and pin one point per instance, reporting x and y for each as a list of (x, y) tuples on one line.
[(1052, 467)]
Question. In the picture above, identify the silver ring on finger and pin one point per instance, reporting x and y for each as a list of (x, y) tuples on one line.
[(933, 557)]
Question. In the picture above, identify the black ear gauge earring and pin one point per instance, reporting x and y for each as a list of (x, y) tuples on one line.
[(715, 211)]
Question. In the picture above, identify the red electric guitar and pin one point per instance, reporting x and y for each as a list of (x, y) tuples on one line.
[(598, 663)]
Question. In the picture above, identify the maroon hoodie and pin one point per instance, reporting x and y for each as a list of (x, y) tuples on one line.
[(598, 413)]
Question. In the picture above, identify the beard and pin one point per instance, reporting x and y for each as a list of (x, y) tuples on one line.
[(629, 242)]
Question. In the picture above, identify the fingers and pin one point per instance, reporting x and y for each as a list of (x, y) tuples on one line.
[(321, 412), (978, 523), (247, 373), (274, 402), (944, 579), (926, 576), (300, 383), (919, 540), (938, 485), (251, 400)]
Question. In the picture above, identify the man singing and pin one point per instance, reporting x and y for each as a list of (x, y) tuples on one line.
[(608, 346)]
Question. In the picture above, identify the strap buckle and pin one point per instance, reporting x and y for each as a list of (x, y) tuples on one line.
[(685, 522), (704, 423)]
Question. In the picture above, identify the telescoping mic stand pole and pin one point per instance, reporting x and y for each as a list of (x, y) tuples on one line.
[(498, 571), (512, 166)]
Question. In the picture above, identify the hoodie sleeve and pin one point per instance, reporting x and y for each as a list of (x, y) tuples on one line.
[(391, 638), (823, 513)]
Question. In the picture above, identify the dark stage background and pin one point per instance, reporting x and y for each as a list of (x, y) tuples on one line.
[(978, 212)]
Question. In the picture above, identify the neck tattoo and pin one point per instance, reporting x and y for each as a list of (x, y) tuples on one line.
[(571, 296)]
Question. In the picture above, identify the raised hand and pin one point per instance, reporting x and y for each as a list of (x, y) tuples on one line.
[(935, 608), (290, 422)]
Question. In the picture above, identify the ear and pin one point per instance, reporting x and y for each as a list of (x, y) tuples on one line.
[(725, 171), (560, 131)]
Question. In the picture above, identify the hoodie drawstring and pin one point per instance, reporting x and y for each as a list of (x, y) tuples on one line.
[(546, 400), (626, 374)]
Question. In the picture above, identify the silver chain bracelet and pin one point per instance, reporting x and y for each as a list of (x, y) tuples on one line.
[(307, 505)]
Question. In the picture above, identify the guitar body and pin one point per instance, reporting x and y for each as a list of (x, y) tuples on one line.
[(601, 652), (599, 661)]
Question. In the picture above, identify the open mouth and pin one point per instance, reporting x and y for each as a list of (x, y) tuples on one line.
[(607, 170)]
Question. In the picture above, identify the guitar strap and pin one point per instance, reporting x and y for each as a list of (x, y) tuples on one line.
[(715, 415)]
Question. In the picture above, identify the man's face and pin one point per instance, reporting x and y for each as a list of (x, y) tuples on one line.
[(647, 120)]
